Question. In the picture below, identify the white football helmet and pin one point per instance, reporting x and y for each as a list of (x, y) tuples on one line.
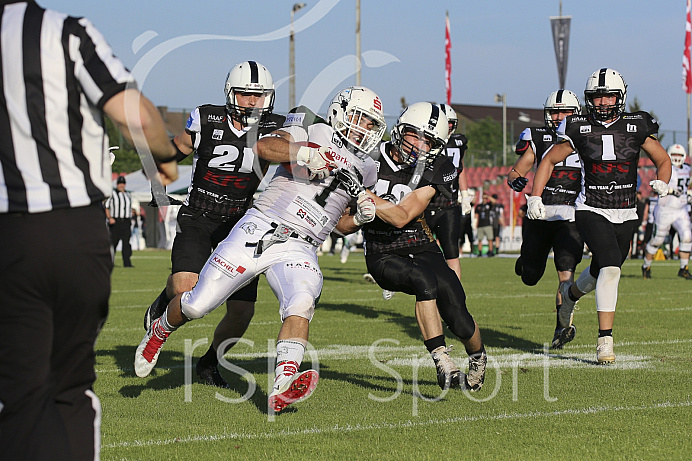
[(560, 100), (677, 155), (452, 118), (424, 119), (249, 77), (347, 112), (605, 81)]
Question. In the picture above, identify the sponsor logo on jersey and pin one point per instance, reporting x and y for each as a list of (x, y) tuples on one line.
[(459, 142), (585, 129), (212, 118), (449, 176), (342, 159), (610, 167), (217, 135), (632, 117), (631, 128), (336, 140), (249, 227), (225, 267), (547, 138), (294, 119)]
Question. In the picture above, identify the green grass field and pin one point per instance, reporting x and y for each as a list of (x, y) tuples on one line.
[(378, 397)]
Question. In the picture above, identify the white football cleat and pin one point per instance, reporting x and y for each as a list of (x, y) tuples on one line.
[(369, 278), (297, 388), (604, 350), (388, 294), (147, 353)]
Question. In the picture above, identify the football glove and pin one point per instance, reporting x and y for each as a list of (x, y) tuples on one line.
[(689, 195), (660, 187), (365, 211), (518, 183), (535, 208), (318, 160), (465, 201), (349, 181)]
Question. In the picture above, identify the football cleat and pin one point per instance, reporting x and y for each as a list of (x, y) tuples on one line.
[(685, 273), (563, 336), (566, 312), (209, 374), (153, 312), (646, 272), (448, 374), (369, 278), (298, 387), (476, 375), (147, 353), (388, 294), (604, 350)]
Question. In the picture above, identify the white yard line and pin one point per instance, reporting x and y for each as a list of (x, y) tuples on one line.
[(385, 425)]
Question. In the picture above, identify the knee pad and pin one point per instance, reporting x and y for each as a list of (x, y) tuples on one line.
[(190, 309), (607, 289), (301, 305), (586, 283), (655, 242), (686, 241)]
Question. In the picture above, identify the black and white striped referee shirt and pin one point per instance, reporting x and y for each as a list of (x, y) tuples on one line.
[(57, 72), (120, 205)]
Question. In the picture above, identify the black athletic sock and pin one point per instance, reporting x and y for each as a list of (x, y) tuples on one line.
[(163, 300), (602, 333), (571, 296), (476, 353), (433, 343), (209, 358), (558, 326)]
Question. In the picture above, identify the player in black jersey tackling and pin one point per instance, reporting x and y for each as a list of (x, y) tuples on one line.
[(400, 250), (608, 141), (557, 231), (225, 176)]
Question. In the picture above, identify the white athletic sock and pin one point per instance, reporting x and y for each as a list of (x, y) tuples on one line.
[(607, 289), (289, 355), (647, 263), (684, 262)]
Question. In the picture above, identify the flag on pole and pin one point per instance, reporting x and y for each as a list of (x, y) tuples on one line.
[(448, 60), (686, 74)]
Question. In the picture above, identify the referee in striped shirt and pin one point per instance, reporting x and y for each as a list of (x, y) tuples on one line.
[(58, 77), (119, 212)]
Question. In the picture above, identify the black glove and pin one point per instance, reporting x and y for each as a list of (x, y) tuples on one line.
[(519, 183), (350, 182)]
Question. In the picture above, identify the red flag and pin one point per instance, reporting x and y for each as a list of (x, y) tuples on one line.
[(448, 58), (686, 74)]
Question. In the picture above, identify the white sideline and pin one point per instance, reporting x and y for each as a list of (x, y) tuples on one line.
[(403, 424)]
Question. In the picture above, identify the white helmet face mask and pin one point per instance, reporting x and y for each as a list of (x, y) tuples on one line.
[(452, 118), (605, 82), (249, 77), (427, 121), (677, 155), (356, 115), (560, 100)]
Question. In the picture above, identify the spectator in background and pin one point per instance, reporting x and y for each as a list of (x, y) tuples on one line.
[(119, 212), (484, 225), (498, 222), (55, 175), (465, 226)]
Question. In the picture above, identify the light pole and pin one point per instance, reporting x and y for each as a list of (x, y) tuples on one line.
[(292, 61), (503, 99)]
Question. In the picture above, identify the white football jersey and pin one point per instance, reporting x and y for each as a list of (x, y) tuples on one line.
[(679, 181), (312, 207)]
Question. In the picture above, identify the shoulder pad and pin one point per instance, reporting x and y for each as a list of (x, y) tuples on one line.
[(440, 175), (521, 147), (210, 113)]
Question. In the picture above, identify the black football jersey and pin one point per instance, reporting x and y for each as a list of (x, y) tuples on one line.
[(454, 150), (394, 181), (226, 172), (564, 184), (609, 156)]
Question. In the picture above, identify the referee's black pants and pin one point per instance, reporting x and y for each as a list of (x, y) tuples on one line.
[(55, 272), (122, 231)]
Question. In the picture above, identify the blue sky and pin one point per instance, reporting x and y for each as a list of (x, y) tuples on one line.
[(182, 51)]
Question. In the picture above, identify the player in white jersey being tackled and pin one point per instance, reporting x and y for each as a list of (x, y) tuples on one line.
[(400, 250), (672, 211), (557, 231), (225, 176), (279, 236), (608, 141)]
